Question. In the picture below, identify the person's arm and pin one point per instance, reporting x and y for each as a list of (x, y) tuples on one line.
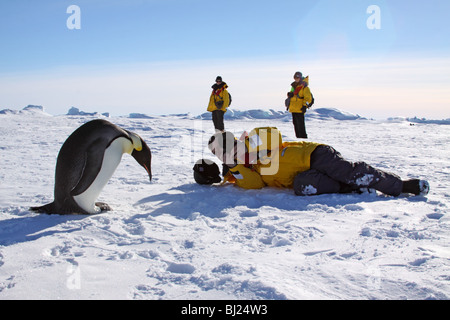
[(226, 99), (211, 104), (307, 97), (247, 178)]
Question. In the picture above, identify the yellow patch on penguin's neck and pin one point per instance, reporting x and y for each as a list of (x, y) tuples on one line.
[(137, 143)]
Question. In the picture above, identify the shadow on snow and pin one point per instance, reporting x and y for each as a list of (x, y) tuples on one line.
[(213, 201)]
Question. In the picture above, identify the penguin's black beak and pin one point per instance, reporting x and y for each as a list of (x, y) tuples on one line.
[(149, 171), (144, 158)]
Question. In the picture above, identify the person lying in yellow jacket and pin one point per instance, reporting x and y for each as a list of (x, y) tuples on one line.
[(309, 168)]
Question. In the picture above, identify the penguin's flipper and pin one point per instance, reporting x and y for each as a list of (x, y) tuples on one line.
[(93, 160)]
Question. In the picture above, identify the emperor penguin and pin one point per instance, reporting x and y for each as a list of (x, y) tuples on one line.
[(86, 162)]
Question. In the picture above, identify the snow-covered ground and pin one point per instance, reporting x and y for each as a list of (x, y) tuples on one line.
[(174, 239)]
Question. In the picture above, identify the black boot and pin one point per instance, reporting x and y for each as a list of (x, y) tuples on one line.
[(416, 187)]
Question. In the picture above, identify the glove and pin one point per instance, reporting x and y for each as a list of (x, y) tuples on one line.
[(219, 104), (287, 102)]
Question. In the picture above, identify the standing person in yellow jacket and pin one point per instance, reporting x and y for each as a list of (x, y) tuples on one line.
[(219, 101), (299, 99), (309, 168)]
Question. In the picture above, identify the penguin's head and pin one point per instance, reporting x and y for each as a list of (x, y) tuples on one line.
[(141, 152)]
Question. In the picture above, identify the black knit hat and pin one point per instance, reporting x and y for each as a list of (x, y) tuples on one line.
[(298, 74), (219, 78)]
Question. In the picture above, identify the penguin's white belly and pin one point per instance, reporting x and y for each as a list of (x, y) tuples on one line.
[(111, 159)]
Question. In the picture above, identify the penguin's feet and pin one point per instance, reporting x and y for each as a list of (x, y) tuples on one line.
[(103, 206)]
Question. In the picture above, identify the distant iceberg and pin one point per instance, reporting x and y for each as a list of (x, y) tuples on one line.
[(76, 112), (427, 121), (331, 113), (418, 120), (231, 114), (8, 111), (33, 109), (145, 116), (320, 113), (140, 116)]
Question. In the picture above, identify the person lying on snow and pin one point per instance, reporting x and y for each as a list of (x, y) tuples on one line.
[(262, 159)]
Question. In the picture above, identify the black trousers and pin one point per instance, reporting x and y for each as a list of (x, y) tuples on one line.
[(298, 119), (331, 173), (217, 117)]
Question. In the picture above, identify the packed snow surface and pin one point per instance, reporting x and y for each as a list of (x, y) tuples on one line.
[(174, 239)]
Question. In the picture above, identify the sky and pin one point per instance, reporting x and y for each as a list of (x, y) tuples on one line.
[(162, 56)]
